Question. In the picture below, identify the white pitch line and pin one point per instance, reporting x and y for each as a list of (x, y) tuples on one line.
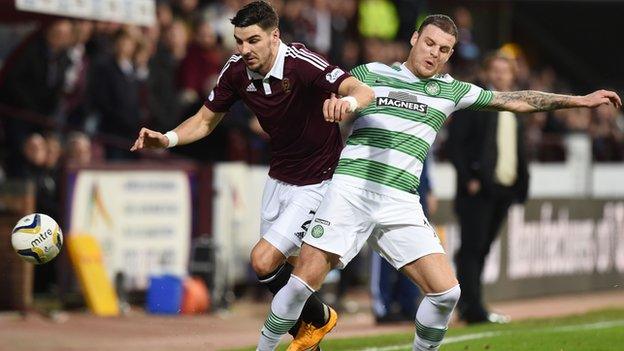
[(485, 335)]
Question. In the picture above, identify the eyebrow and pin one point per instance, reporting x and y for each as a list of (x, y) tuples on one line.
[(248, 39)]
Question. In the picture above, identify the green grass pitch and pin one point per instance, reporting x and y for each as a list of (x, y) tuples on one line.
[(596, 331)]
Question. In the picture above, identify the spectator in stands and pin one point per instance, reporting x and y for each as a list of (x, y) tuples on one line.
[(164, 14), (607, 136), (54, 150), (186, 10), (200, 68), (165, 104), (34, 150), (32, 87), (487, 151), (115, 93), (102, 46), (218, 14), (294, 25), (75, 102), (78, 149), (466, 58), (344, 34), (321, 18)]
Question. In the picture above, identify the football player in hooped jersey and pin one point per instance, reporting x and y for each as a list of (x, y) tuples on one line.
[(372, 197), (289, 88)]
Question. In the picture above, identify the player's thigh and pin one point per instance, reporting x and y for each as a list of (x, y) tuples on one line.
[(342, 223), (287, 214), (401, 244), (407, 241), (432, 273)]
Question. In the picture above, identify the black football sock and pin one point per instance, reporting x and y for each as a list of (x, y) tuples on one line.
[(276, 280)]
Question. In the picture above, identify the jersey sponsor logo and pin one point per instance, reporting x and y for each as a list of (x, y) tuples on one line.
[(322, 221), (317, 231), (251, 88), (433, 88), (402, 100), (334, 75)]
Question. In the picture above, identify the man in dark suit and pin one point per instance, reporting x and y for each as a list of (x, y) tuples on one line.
[(486, 148), (115, 90), (31, 85)]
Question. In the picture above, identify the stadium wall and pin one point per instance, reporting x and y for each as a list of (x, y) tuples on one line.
[(569, 237)]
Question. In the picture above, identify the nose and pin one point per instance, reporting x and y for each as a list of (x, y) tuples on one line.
[(435, 52), (244, 48)]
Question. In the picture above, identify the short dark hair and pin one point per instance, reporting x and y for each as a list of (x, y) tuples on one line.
[(443, 22), (257, 12)]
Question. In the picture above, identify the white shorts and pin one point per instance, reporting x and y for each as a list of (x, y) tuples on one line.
[(287, 211), (349, 216)]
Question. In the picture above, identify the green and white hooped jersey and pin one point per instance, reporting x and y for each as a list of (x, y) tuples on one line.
[(391, 136)]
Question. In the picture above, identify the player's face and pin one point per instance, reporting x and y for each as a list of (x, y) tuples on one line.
[(430, 50), (257, 46)]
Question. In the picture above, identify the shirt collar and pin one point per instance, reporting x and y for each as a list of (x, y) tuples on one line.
[(277, 70)]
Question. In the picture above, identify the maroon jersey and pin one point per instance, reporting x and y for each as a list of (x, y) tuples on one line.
[(288, 102)]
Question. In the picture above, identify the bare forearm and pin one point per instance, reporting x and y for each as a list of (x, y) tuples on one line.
[(363, 94), (532, 101), (197, 126), (360, 91)]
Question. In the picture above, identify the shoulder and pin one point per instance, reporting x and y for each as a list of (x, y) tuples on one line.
[(299, 55), (232, 66), (381, 68), (234, 62), (362, 71)]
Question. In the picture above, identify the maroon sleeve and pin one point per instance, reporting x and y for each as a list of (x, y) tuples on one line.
[(316, 71), (224, 94)]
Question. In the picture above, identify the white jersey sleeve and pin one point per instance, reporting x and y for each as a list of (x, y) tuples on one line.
[(476, 98)]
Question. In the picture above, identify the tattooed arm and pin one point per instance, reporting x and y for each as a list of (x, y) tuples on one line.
[(534, 101)]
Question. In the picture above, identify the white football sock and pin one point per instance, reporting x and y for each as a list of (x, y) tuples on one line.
[(285, 310), (432, 318)]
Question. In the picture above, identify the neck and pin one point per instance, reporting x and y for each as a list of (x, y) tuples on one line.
[(412, 69)]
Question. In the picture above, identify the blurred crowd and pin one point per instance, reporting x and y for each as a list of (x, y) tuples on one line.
[(75, 85)]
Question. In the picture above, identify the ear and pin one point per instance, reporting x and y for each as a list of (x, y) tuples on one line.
[(275, 35), (414, 38)]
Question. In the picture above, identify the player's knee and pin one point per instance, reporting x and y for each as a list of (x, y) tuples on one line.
[(445, 300), (264, 262)]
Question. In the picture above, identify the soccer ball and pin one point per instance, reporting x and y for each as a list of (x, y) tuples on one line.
[(37, 238)]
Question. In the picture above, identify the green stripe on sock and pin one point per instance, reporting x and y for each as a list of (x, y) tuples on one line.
[(434, 335), (278, 325)]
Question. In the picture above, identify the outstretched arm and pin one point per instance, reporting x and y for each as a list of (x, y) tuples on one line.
[(533, 101), (194, 128)]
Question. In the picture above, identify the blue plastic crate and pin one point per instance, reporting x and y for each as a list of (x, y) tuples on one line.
[(164, 295)]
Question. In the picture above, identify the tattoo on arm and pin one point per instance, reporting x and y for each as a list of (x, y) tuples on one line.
[(530, 101)]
